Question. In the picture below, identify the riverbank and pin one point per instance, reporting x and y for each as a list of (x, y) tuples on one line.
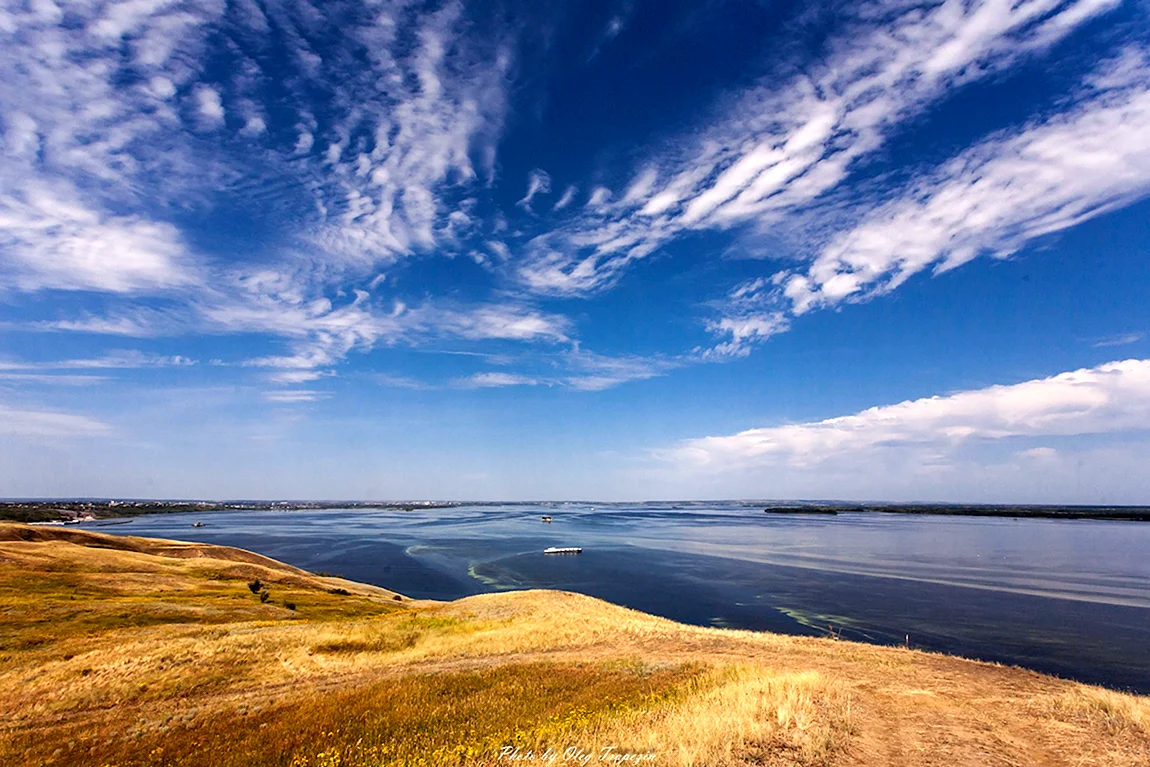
[(70, 511), (119, 650)]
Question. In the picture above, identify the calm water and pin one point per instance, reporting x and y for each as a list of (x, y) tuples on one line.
[(1069, 597)]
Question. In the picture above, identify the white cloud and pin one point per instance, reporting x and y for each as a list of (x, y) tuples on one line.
[(254, 126), (1040, 454), (304, 142), (430, 111), (294, 396), (1120, 340), (1108, 399), (128, 359), (538, 182), (52, 379), (140, 323), (402, 382), (750, 316), (210, 106), (46, 423), (500, 322), (996, 196), (295, 376), (599, 197), (496, 380), (499, 249), (588, 371), (321, 333), (95, 110), (744, 331), (52, 239), (579, 370), (83, 110), (779, 147), (566, 198), (22, 136)]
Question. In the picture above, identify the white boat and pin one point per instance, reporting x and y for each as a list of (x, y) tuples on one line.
[(563, 550)]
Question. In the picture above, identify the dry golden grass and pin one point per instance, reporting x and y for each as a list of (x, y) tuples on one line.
[(739, 715), (119, 651)]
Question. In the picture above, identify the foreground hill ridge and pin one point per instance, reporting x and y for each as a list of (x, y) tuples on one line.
[(132, 651)]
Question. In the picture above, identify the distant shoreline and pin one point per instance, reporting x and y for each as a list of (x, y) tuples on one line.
[(1118, 513), (88, 511), (73, 510)]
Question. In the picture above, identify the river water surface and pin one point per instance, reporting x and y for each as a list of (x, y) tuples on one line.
[(1068, 597)]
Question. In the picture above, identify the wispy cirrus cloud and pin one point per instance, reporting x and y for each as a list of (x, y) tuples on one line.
[(750, 314), (997, 196), (581, 370), (1122, 339), (496, 380), (567, 368), (52, 379), (86, 105), (588, 371), (415, 131), (321, 332), (126, 359), (295, 396), (133, 323), (538, 182), (53, 239), (1108, 399), (111, 126), (48, 423), (778, 148)]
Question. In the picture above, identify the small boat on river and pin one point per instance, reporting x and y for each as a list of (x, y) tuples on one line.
[(563, 550)]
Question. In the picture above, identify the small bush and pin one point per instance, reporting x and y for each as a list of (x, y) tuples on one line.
[(256, 586), (397, 598), (339, 592), (289, 605), (265, 595)]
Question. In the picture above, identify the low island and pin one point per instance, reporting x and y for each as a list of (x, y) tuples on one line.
[(131, 651)]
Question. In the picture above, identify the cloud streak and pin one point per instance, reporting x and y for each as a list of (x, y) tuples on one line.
[(91, 113), (47, 423), (997, 196), (778, 148), (1108, 399), (376, 147)]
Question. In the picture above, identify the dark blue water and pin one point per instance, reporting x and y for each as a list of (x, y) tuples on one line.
[(1068, 597)]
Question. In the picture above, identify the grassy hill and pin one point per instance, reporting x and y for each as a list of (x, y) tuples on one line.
[(129, 651)]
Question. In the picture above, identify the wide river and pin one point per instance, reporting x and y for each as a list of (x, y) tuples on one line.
[(1068, 597)]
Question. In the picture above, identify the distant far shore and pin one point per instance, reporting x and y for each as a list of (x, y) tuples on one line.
[(1125, 513), (33, 511), (66, 511)]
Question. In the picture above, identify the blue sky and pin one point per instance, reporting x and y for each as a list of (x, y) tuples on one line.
[(610, 250)]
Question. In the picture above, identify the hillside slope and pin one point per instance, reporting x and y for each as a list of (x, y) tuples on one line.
[(128, 651)]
